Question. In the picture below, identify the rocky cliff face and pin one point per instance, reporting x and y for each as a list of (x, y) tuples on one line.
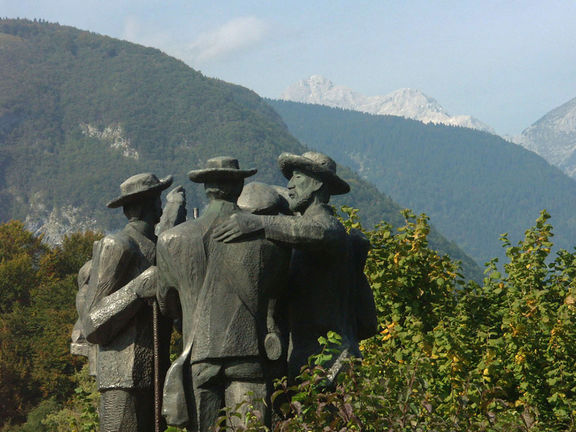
[(56, 222), (408, 103), (554, 137)]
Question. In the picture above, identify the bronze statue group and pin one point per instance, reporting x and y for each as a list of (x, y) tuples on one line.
[(251, 284)]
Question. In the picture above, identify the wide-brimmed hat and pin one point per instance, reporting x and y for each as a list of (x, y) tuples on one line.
[(317, 164), (220, 168), (138, 186)]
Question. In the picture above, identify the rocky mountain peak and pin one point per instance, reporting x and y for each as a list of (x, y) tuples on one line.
[(554, 137), (405, 102)]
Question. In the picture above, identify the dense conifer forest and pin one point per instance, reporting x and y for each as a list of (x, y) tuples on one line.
[(475, 186)]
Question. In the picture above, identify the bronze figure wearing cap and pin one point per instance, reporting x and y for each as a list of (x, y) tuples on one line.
[(116, 314), (328, 290), (221, 293)]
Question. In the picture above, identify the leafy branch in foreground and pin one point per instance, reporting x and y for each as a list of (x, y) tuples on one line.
[(450, 355)]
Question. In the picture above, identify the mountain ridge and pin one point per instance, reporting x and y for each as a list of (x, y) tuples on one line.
[(553, 137), (475, 186), (406, 102)]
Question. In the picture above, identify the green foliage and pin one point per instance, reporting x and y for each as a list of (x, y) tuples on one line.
[(473, 185), (20, 252), (81, 412), (34, 418), (450, 356), (38, 286)]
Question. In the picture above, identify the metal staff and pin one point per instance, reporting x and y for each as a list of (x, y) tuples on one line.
[(156, 344)]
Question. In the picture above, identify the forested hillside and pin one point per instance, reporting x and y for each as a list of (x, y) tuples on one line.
[(80, 112), (475, 186)]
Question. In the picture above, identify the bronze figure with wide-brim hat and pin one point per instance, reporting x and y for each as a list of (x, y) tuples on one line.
[(222, 168), (139, 186)]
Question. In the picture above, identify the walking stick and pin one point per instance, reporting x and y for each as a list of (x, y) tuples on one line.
[(156, 344)]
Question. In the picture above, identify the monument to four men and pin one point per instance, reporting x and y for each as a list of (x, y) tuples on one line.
[(251, 284)]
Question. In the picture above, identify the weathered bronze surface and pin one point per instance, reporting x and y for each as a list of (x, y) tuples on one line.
[(251, 284), (328, 290), (115, 310), (224, 291)]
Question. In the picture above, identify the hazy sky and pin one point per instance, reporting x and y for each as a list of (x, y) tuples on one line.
[(506, 62)]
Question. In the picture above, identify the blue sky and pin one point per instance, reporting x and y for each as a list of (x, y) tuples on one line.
[(506, 62)]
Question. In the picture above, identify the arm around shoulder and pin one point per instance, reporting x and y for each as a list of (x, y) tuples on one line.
[(304, 231), (113, 304)]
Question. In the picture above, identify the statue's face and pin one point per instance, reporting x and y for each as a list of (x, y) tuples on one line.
[(301, 189)]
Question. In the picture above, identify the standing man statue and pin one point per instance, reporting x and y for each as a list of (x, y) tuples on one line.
[(223, 291), (326, 291), (118, 316)]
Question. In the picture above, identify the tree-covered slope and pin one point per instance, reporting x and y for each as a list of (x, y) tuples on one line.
[(475, 186), (80, 112)]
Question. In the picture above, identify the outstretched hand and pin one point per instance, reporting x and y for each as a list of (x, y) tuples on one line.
[(178, 195), (238, 226)]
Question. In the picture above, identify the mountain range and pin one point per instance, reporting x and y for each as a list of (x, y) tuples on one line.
[(408, 103), (475, 186), (554, 137), (81, 112)]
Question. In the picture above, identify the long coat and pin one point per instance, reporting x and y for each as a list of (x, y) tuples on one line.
[(223, 290), (117, 319), (327, 288)]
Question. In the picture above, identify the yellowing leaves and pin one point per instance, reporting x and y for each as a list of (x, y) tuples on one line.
[(387, 332), (486, 375), (499, 341)]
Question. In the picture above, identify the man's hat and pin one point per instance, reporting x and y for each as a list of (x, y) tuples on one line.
[(219, 169), (139, 186), (264, 199), (317, 164)]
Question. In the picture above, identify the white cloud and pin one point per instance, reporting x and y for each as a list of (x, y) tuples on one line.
[(142, 33), (237, 34), (131, 29)]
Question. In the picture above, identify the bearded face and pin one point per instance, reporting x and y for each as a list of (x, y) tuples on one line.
[(301, 189)]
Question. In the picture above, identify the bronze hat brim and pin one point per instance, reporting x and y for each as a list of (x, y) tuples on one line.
[(158, 188), (289, 162), (209, 175)]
